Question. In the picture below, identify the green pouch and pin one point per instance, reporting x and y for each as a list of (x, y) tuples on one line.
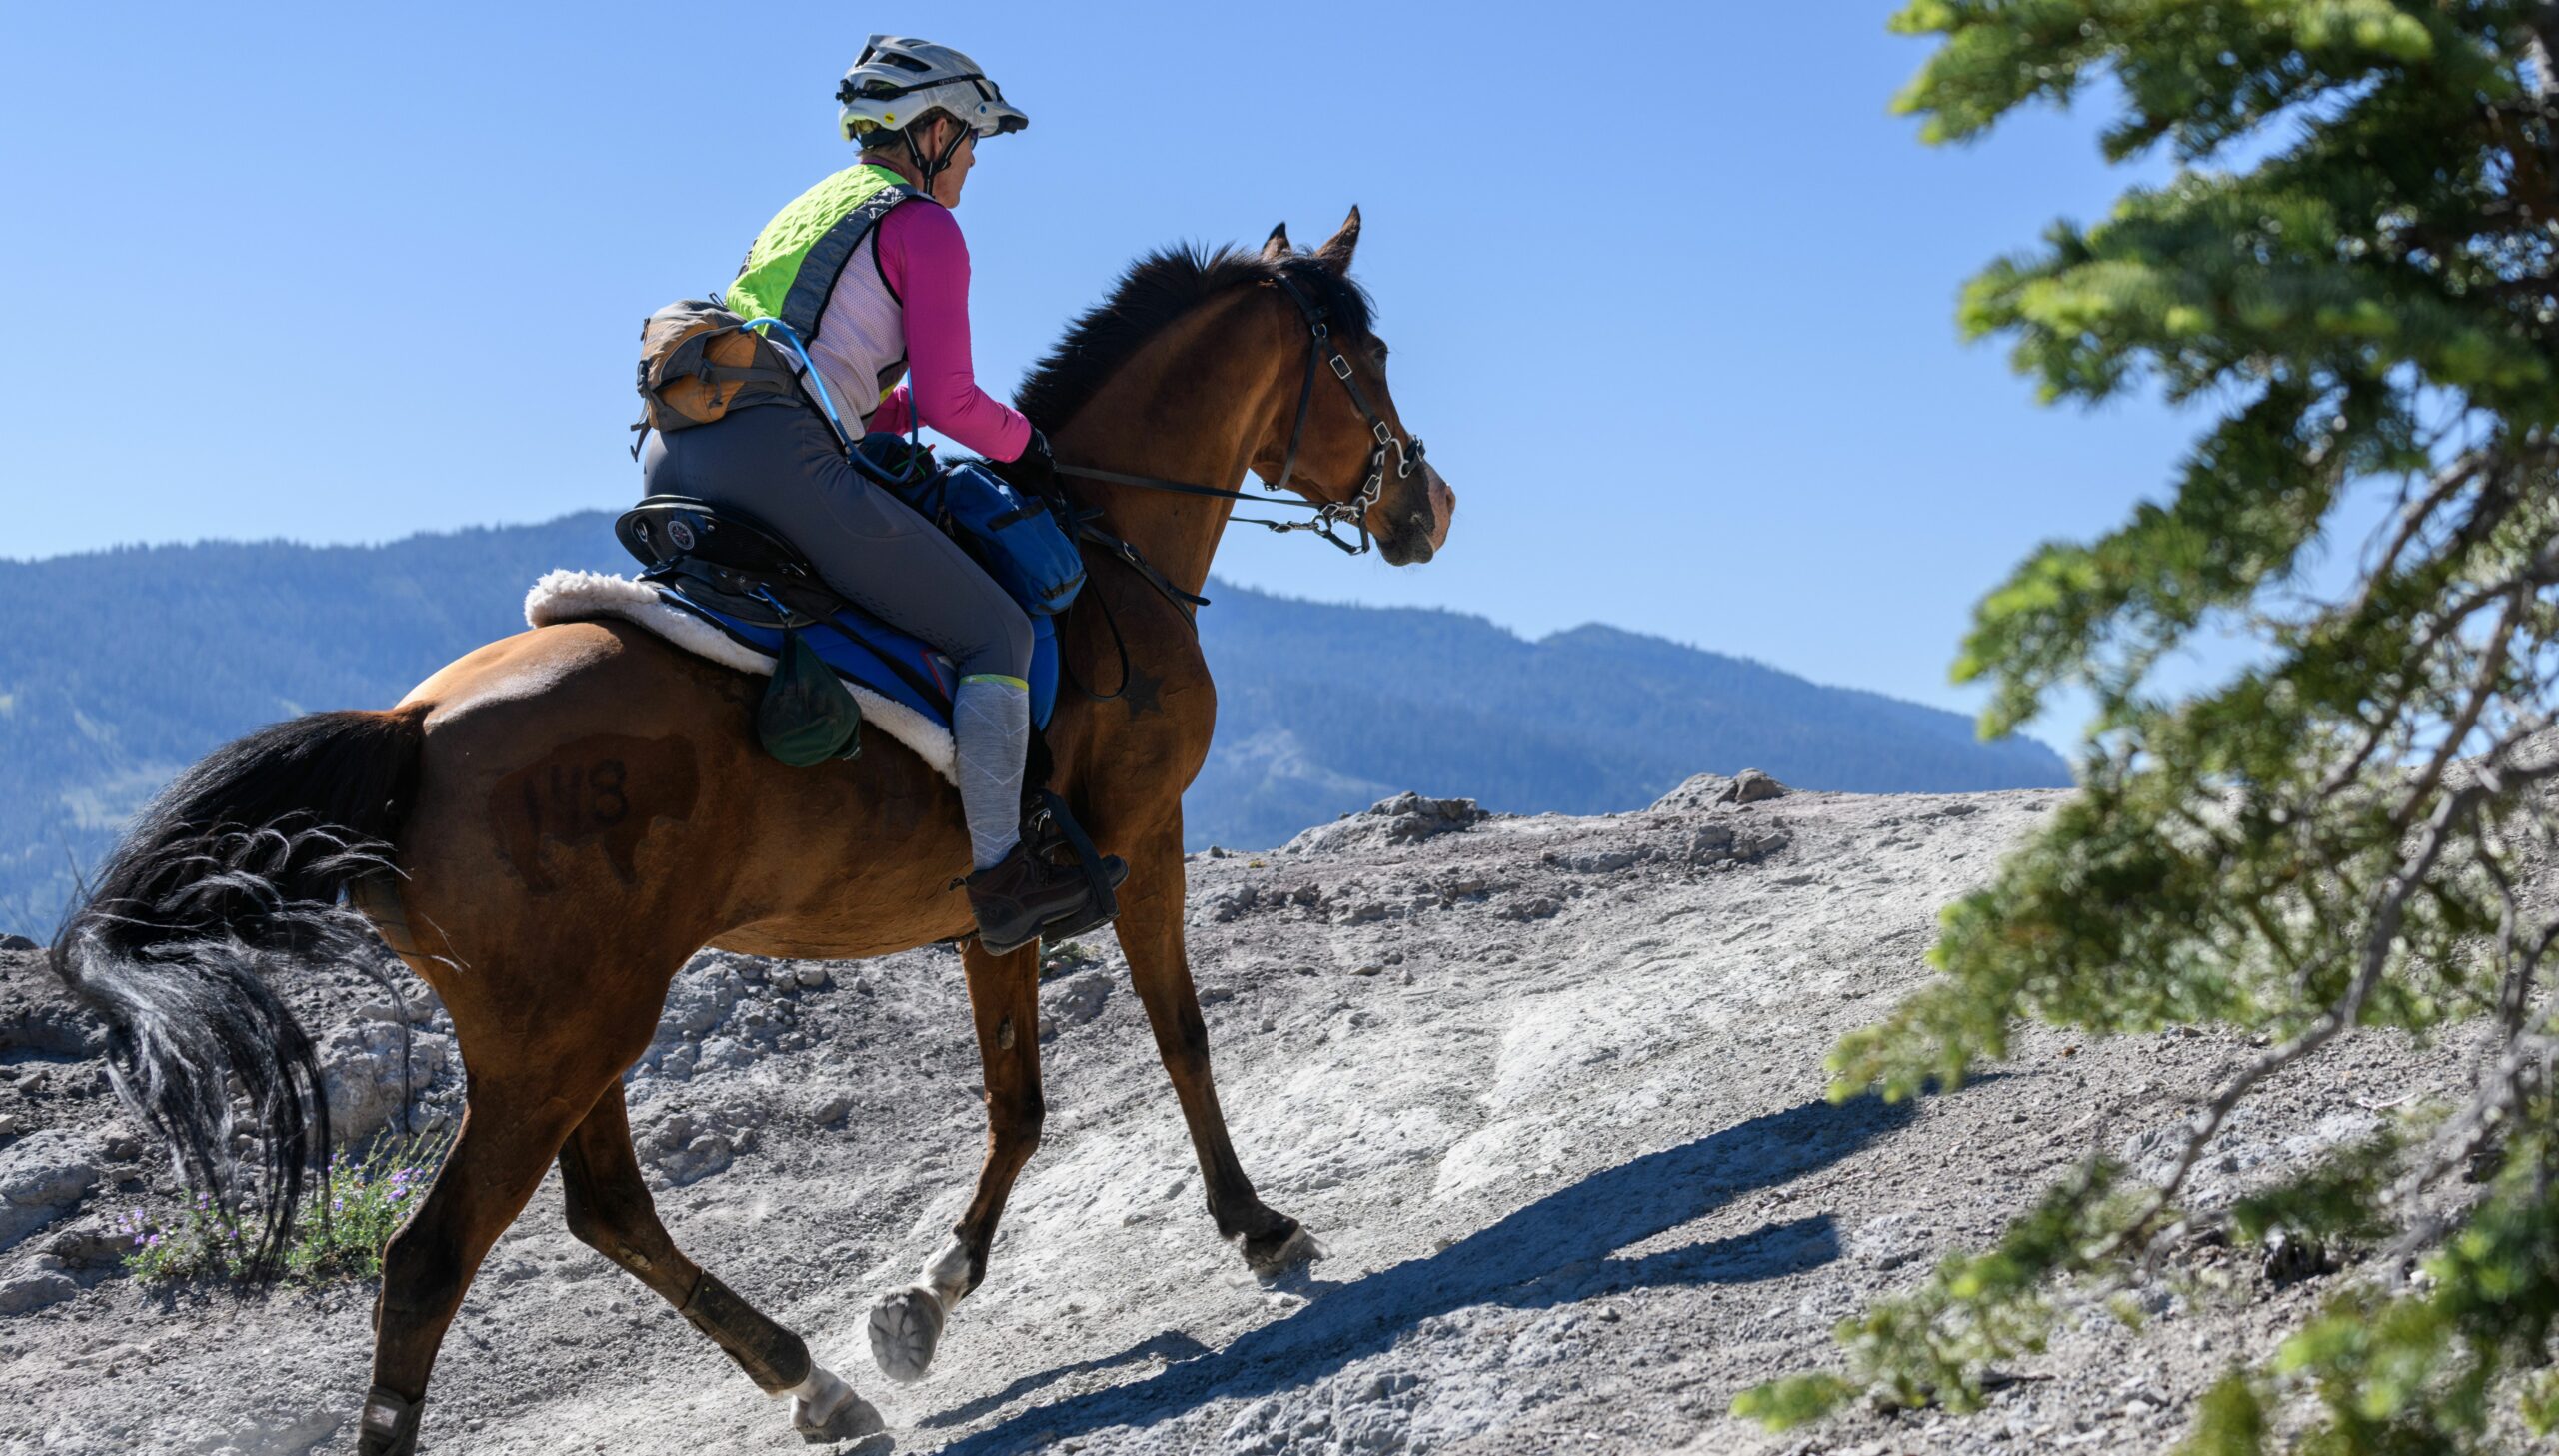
[(807, 716)]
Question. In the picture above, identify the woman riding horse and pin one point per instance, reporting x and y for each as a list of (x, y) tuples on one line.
[(547, 830), (868, 268)]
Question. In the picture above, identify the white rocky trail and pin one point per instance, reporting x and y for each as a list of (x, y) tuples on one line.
[(1547, 1091)]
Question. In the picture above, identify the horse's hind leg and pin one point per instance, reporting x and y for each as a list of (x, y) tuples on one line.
[(610, 1209), (1003, 1001), (510, 1130)]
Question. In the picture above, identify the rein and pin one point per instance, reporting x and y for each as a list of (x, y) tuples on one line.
[(1352, 511)]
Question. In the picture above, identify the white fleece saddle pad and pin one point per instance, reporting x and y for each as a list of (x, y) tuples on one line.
[(565, 596)]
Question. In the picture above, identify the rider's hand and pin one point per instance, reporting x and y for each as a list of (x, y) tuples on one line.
[(1034, 468)]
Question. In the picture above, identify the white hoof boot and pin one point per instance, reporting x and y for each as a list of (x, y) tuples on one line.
[(906, 1326), (823, 1408), (1298, 1251)]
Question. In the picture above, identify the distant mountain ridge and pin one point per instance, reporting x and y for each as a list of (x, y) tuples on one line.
[(120, 667)]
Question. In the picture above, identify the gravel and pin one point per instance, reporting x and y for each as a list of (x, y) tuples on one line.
[(1548, 1089)]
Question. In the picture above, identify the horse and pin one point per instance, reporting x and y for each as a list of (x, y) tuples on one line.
[(548, 828)]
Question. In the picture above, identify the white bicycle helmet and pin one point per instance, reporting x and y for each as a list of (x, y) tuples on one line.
[(899, 77)]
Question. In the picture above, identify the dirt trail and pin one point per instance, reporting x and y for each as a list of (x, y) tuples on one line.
[(1549, 1090)]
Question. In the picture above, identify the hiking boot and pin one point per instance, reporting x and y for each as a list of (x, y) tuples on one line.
[(1088, 917), (1023, 894)]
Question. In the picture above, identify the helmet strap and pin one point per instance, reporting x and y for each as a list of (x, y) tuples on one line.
[(928, 171), (924, 171)]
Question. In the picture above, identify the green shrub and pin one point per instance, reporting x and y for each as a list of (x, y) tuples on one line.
[(339, 1237)]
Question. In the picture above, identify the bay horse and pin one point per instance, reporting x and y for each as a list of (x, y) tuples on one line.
[(547, 830)]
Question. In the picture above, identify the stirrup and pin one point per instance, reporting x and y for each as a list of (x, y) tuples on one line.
[(1068, 923), (1082, 923), (1051, 826)]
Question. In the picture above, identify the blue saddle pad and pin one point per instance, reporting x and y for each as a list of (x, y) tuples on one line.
[(890, 663)]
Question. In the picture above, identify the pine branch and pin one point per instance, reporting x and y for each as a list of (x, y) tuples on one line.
[(2337, 836)]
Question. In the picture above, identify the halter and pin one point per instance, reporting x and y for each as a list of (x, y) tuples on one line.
[(1352, 511)]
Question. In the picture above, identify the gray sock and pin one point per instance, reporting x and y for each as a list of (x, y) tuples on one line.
[(990, 728)]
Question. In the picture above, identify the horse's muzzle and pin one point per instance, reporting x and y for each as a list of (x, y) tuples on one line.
[(1419, 528), (1443, 508)]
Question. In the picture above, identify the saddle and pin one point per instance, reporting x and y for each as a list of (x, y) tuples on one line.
[(738, 567), (743, 579), (725, 560), (740, 575)]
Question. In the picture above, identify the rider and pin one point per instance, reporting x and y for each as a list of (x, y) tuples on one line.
[(868, 268)]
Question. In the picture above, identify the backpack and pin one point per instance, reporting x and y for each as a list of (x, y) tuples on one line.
[(698, 361)]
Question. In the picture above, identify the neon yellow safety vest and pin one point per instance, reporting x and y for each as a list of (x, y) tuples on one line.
[(798, 257)]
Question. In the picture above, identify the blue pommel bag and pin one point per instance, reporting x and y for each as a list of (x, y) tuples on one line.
[(1017, 538)]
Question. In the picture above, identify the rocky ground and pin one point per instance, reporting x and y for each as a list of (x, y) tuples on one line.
[(1548, 1090)]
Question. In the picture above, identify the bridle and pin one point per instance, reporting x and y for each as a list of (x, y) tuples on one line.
[(1330, 516)]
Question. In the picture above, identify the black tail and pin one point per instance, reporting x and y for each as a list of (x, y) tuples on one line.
[(239, 869)]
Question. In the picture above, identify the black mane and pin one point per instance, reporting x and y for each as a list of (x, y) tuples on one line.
[(1156, 290)]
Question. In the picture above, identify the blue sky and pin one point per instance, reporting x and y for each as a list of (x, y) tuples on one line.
[(1669, 289)]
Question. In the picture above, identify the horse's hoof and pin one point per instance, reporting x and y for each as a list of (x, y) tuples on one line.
[(904, 1328), (1270, 1260), (832, 1412)]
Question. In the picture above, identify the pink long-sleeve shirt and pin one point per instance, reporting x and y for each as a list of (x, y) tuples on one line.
[(925, 263)]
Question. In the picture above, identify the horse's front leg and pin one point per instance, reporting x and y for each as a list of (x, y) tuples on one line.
[(1003, 1000), (1151, 910)]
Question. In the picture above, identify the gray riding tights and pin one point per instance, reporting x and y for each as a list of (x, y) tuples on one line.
[(780, 463)]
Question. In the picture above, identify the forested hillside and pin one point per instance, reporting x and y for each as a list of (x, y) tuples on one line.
[(117, 669)]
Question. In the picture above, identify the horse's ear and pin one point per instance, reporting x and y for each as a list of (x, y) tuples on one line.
[(1275, 247), (1337, 250)]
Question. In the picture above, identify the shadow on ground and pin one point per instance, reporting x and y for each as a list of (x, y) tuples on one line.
[(1557, 1250)]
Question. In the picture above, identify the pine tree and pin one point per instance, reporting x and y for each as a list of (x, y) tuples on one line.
[(2355, 259)]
